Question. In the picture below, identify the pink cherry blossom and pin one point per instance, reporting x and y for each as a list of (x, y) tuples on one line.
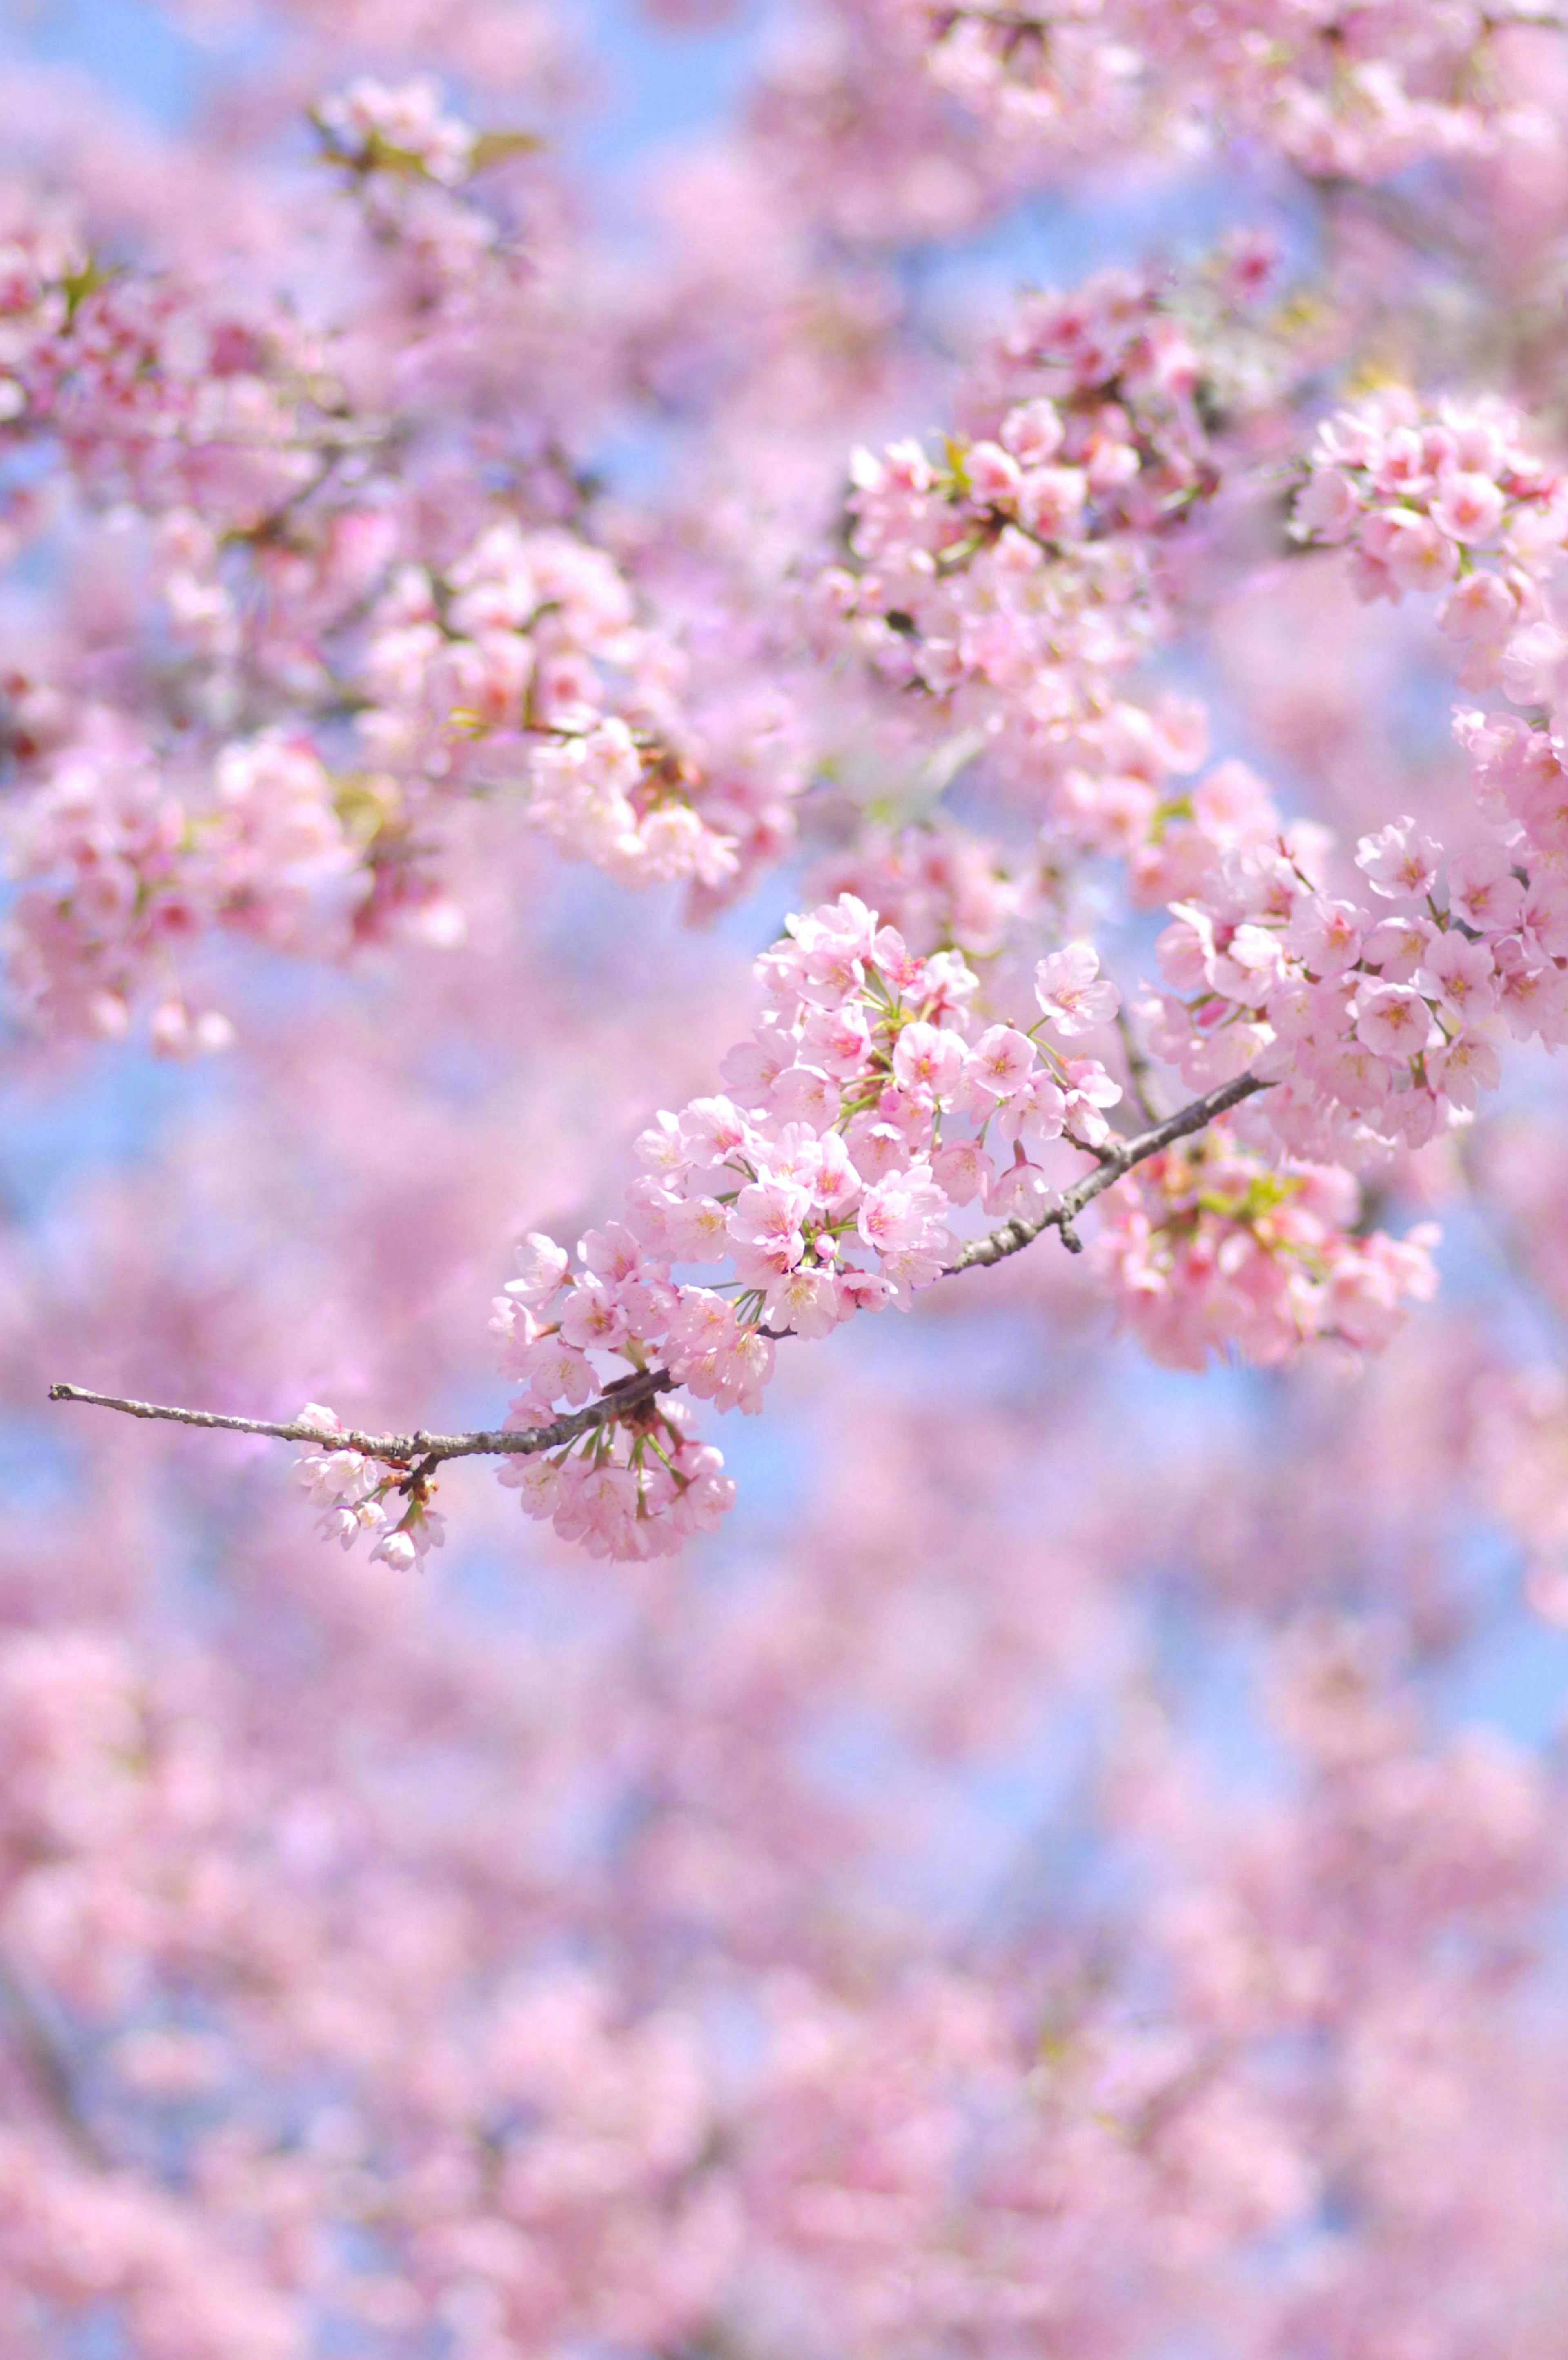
[(1399, 862), (1468, 508), (1461, 974), (1003, 1061), (1394, 1020), (929, 1060), (1483, 889), (1071, 999), (1413, 551)]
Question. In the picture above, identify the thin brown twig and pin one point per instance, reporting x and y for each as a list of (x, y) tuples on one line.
[(46, 2069), (1140, 1071), (420, 1452), (1117, 1162)]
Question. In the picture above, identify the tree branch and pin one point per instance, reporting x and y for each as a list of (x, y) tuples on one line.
[(1116, 1163), (1140, 1071), (420, 1452), (47, 2068)]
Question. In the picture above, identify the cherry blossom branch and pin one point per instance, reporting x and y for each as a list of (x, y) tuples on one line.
[(1115, 1163), (1140, 1069), (47, 2069), (420, 1452)]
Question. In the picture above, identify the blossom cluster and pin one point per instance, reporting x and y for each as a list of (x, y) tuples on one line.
[(1208, 1247), (44, 270), (119, 874), (1376, 1017), (1376, 1009), (412, 167), (1014, 579), (869, 1103), (1448, 500), (290, 586), (938, 884), (527, 653), (374, 126), (1361, 94), (155, 391), (1065, 73), (357, 1496)]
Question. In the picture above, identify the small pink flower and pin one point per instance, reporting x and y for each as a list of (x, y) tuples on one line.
[(1050, 501), (1040, 1110), (697, 1230), (741, 1373), (704, 1321), (1461, 974), (604, 1503), (1483, 889), (1405, 463), (805, 1094), (662, 1148), (768, 1216), (1324, 936), (1394, 1021), (712, 1130), (1245, 968), (837, 1040), (805, 1301), (901, 1210), (1373, 1282), (536, 1480), (1354, 1074), (1003, 1061), (592, 1320), (541, 1266), (1089, 1090), (1032, 432), (1480, 609), (1468, 508), (961, 1171), (1185, 949), (1021, 1191), (612, 1253), (556, 1370), (1414, 552), (1327, 506), (930, 1062), (1398, 946), (863, 1290), (835, 1181), (752, 1067), (1467, 1067), (876, 1147), (1535, 666), (1398, 860), (1532, 993), (1067, 989), (992, 473)]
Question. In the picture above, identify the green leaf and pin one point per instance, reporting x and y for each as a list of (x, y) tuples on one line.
[(497, 147)]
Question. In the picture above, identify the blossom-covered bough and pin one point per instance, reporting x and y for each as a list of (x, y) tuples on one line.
[(623, 1506), (1072, 1864), (873, 1100)]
